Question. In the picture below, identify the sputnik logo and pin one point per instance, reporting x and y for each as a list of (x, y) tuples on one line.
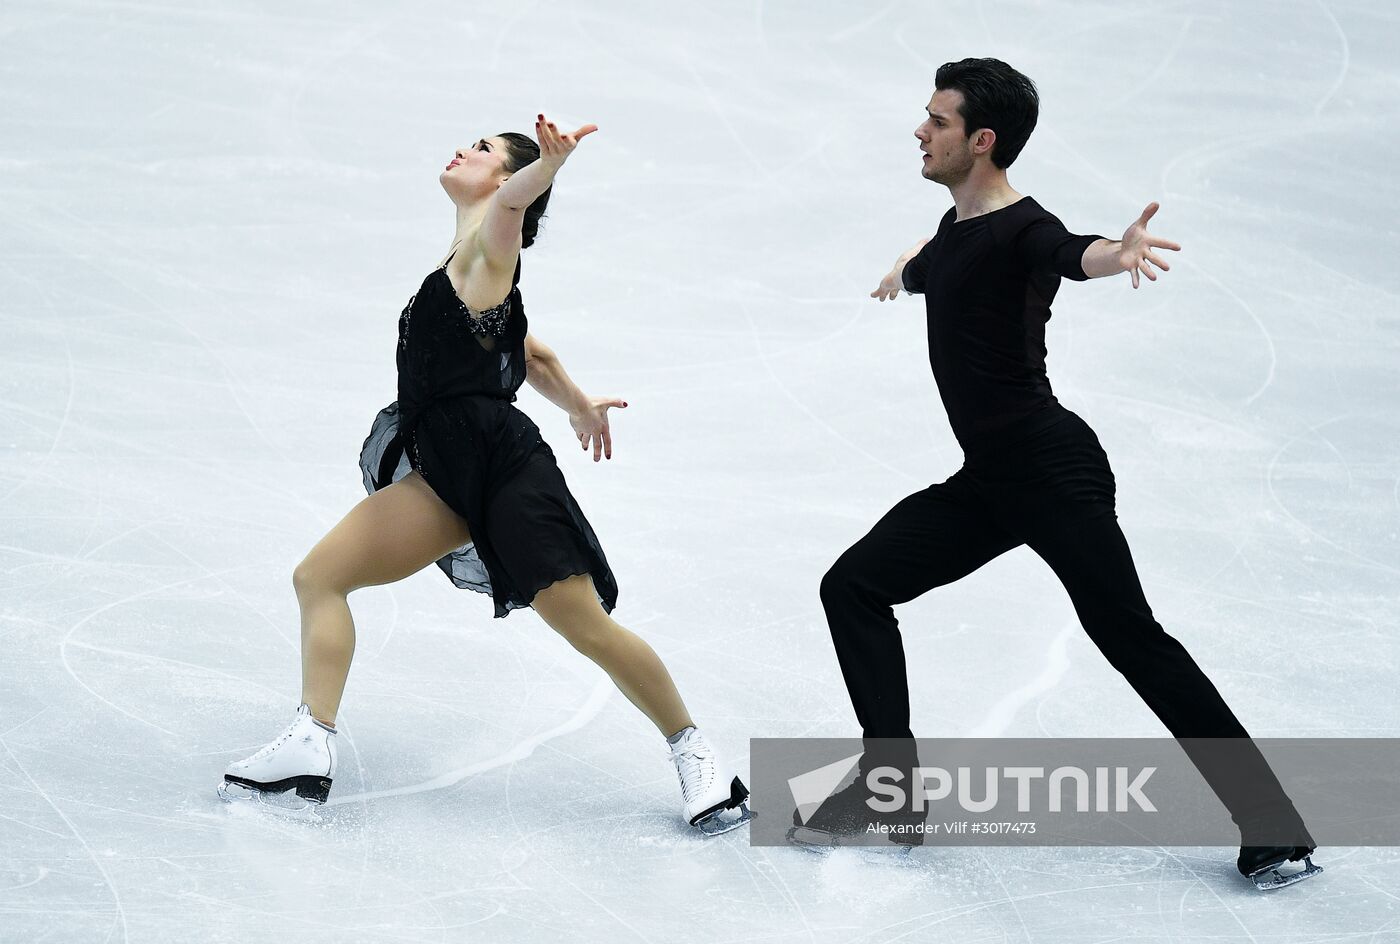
[(810, 790)]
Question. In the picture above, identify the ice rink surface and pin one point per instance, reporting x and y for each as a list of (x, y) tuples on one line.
[(213, 214)]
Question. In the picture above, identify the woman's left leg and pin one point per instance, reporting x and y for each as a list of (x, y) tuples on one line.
[(571, 608)]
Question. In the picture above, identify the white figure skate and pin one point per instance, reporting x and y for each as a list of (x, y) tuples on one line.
[(714, 803), (294, 772)]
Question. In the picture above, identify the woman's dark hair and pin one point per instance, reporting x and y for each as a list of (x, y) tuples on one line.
[(521, 151), (995, 96)]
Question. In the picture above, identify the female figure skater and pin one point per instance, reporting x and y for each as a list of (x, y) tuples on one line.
[(457, 475)]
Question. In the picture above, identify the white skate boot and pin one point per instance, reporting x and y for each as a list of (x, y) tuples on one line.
[(714, 803), (300, 760)]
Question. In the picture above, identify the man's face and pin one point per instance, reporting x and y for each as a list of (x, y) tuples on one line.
[(943, 140)]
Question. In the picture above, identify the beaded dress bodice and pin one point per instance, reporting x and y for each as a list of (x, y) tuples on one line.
[(448, 351), (491, 322)]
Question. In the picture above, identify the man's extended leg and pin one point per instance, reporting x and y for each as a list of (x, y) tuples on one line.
[(1091, 557)]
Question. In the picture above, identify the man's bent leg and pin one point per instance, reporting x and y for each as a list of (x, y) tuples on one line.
[(928, 539)]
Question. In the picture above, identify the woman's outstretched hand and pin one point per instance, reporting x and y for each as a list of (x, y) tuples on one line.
[(1137, 246), (591, 425), (555, 147)]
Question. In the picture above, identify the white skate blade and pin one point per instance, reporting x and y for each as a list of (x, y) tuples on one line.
[(285, 803), (723, 820), (1269, 878)]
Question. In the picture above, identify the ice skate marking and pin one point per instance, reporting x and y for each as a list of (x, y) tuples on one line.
[(1346, 61), (1269, 482), (116, 895), (34, 467), (848, 444), (65, 642), (33, 827), (1004, 712), (106, 650), (586, 713)]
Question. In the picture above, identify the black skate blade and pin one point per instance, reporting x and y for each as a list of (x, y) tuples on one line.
[(730, 814), (822, 843), (309, 787), (810, 840), (820, 840), (1269, 877), (725, 819)]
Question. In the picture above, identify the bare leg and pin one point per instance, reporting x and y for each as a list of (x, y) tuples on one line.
[(571, 608), (392, 534)]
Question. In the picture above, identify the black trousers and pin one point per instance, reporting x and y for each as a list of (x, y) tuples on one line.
[(1054, 492)]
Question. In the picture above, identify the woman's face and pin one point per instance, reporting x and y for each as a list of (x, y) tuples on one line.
[(476, 170)]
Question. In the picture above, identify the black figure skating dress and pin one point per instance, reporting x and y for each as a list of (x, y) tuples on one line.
[(454, 423)]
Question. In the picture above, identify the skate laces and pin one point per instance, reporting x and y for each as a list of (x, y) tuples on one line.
[(695, 765), (281, 739)]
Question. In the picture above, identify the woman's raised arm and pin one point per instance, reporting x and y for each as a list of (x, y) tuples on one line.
[(499, 234)]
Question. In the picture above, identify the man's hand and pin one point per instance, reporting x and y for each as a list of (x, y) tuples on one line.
[(890, 285), (591, 425), (893, 282), (1136, 253)]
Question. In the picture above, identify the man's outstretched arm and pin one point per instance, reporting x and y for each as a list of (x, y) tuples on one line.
[(893, 281), (1133, 253)]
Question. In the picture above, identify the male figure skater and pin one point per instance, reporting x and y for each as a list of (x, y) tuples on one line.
[(1034, 472)]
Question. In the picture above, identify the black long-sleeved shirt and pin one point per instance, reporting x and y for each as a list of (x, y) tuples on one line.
[(987, 284)]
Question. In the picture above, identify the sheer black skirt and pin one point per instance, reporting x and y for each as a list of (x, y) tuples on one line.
[(486, 460)]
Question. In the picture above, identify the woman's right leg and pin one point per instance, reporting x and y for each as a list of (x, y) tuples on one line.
[(391, 534)]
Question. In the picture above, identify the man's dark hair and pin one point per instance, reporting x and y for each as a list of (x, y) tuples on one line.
[(995, 96)]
